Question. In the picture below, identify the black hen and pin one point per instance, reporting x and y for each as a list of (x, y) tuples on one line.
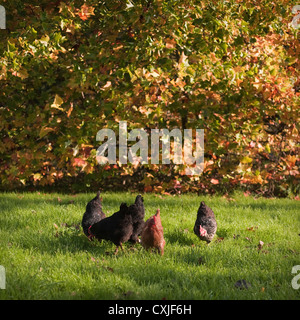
[(93, 213), (206, 224), (117, 228), (137, 212)]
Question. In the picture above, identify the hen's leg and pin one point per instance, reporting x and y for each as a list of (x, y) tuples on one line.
[(117, 248)]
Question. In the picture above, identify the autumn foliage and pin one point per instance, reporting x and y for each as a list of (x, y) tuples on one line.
[(71, 68)]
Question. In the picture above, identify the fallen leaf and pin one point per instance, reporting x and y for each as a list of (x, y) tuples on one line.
[(252, 228), (260, 245)]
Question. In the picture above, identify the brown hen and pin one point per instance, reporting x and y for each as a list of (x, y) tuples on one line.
[(152, 235)]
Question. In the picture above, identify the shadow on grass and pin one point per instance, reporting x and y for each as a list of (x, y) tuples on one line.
[(182, 237), (270, 205), (18, 201)]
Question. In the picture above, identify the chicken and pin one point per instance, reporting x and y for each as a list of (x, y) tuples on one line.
[(93, 213), (117, 228), (205, 225), (137, 212), (152, 234)]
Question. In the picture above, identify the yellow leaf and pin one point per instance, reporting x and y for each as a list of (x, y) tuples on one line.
[(246, 160), (58, 101), (258, 85), (37, 176), (44, 131), (44, 39)]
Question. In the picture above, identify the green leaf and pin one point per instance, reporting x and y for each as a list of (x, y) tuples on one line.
[(246, 160)]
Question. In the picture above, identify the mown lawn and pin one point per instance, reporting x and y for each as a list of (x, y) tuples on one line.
[(46, 255)]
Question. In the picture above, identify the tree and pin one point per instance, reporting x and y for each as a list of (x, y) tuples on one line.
[(72, 68)]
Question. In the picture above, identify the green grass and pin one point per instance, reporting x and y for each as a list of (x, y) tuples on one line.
[(47, 257)]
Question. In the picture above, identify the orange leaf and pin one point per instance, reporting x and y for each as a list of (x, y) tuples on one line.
[(170, 43), (214, 181), (78, 162), (70, 110), (85, 12)]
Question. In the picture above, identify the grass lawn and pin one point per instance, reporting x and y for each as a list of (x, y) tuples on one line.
[(47, 256)]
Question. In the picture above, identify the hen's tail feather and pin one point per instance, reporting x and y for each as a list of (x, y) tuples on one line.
[(139, 200), (123, 206)]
